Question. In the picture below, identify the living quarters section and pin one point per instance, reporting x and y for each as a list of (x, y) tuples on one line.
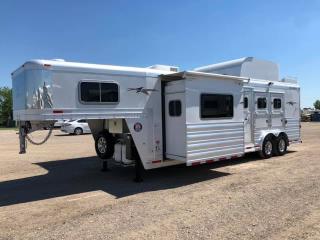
[(214, 119)]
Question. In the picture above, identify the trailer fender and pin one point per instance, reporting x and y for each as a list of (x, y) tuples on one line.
[(273, 133)]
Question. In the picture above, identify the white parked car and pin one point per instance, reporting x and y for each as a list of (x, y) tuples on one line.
[(59, 123), (76, 127)]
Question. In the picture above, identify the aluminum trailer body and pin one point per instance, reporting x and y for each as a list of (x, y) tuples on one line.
[(159, 115)]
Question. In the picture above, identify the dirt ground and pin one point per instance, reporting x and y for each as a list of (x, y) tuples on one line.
[(56, 191)]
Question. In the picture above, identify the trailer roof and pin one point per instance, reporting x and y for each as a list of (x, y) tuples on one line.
[(185, 74), (61, 64)]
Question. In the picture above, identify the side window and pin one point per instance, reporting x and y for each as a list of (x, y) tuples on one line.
[(262, 103), (245, 102), (90, 91), (175, 108), (277, 103), (109, 92), (82, 121), (216, 106), (99, 92)]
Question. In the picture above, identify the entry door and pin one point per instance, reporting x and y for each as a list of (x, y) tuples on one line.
[(261, 115), (277, 110), (175, 125), (248, 110)]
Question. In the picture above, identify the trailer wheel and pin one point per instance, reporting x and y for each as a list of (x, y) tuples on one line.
[(104, 145), (267, 147), (280, 145)]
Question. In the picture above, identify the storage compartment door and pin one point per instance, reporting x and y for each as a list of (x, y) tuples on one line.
[(175, 126)]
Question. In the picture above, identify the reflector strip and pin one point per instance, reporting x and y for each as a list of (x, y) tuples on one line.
[(195, 163), (216, 159), (57, 111), (156, 161)]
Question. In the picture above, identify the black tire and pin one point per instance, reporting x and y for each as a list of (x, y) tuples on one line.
[(78, 131), (267, 148), (280, 145), (104, 145)]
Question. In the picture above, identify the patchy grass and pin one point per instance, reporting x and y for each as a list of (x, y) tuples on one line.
[(9, 128)]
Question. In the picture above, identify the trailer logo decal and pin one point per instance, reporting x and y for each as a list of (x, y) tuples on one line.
[(137, 127), (291, 103), (142, 90)]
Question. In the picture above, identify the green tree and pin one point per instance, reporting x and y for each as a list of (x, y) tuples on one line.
[(317, 104), (5, 106)]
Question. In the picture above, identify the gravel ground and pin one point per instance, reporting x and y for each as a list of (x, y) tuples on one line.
[(56, 191)]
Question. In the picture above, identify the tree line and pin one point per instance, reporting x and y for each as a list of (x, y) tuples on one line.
[(6, 115)]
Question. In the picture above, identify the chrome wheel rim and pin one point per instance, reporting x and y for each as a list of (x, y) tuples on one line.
[(78, 131), (282, 145), (268, 148), (102, 145)]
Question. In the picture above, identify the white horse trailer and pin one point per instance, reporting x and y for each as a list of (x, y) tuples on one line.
[(157, 116)]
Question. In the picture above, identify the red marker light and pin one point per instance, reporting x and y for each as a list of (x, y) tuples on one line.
[(57, 111)]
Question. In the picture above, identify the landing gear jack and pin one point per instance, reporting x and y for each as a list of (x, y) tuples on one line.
[(22, 139), (138, 171), (104, 167)]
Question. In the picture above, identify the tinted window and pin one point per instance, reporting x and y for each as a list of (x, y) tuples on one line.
[(90, 92), (109, 92), (99, 92), (262, 103), (245, 102), (276, 103), (175, 108), (216, 106), (82, 121)]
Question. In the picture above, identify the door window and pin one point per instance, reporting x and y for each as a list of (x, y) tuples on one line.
[(175, 108)]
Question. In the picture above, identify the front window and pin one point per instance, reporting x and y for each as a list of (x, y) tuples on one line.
[(99, 92)]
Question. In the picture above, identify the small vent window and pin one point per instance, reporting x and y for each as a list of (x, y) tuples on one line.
[(262, 103), (245, 102), (277, 103), (175, 108)]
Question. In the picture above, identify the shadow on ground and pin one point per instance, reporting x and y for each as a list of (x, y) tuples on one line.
[(72, 176)]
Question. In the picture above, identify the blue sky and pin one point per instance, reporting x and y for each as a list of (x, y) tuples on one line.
[(183, 33)]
